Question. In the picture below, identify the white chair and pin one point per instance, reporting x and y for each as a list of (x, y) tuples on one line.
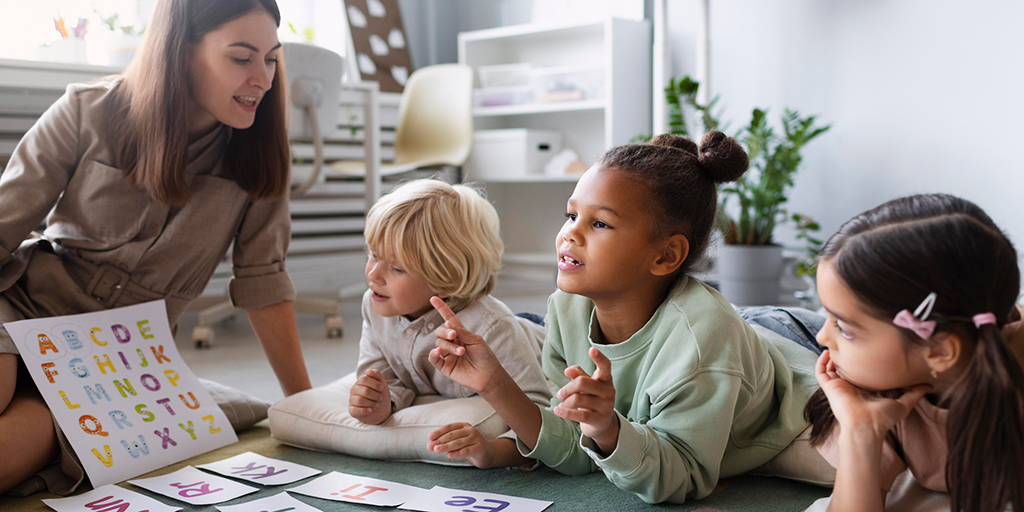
[(435, 122)]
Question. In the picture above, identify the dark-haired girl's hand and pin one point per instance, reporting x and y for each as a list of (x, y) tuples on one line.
[(590, 401), (461, 355), (863, 414)]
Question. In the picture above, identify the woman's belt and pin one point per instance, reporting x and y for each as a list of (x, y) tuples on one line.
[(105, 283)]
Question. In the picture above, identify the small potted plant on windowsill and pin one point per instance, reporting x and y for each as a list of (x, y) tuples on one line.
[(750, 264)]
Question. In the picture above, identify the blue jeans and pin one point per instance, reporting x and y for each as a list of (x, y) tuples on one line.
[(797, 324)]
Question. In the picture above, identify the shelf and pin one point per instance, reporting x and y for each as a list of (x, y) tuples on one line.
[(528, 29), (540, 108), (535, 178)]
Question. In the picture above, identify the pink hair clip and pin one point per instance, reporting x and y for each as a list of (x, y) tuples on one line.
[(984, 318), (918, 320)]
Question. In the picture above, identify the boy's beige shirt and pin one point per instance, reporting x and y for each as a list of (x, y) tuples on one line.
[(61, 172), (398, 348)]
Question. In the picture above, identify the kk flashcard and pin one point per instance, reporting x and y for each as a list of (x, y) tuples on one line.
[(109, 497), (277, 503), (261, 470), (194, 487), (119, 390), (441, 499), (359, 489)]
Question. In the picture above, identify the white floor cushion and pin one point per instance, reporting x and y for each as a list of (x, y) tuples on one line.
[(318, 419), (800, 461)]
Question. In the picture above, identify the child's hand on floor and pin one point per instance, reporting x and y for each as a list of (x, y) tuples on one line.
[(370, 398), (463, 441), (590, 401), (863, 414), (461, 355)]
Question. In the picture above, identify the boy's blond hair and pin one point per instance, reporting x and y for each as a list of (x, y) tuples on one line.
[(449, 234)]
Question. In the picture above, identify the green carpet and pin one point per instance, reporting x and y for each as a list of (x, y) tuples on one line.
[(589, 492)]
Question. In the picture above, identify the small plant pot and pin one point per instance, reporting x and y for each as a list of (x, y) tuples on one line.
[(748, 275)]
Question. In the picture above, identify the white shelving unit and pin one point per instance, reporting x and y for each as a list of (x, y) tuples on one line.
[(532, 207)]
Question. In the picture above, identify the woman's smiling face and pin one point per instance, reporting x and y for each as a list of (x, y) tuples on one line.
[(606, 244), (231, 68)]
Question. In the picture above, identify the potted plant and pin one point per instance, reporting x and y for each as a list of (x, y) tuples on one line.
[(750, 263)]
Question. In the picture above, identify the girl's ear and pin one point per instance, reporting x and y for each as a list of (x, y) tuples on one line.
[(673, 254), (944, 353)]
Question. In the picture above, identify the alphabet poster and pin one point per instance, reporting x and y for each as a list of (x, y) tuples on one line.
[(119, 390)]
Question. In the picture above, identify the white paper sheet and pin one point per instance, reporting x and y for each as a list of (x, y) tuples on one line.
[(194, 487), (443, 499), (256, 468), (277, 503), (119, 390), (359, 489), (109, 497)]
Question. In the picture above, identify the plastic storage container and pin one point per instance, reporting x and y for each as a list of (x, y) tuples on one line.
[(504, 75), (568, 83), (512, 154)]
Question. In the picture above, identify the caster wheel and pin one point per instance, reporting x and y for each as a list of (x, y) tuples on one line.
[(333, 326), (202, 337)]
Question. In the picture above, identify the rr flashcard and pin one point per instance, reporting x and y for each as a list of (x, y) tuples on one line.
[(194, 487)]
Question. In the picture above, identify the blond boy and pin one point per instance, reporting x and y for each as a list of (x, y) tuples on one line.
[(424, 239)]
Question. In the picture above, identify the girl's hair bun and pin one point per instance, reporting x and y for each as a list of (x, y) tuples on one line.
[(722, 157), (675, 141)]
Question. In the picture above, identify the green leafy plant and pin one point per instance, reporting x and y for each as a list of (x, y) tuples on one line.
[(774, 159), (807, 265)]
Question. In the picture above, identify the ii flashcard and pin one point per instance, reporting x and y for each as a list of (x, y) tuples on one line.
[(359, 489)]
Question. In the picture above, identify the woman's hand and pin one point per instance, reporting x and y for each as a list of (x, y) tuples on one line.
[(461, 355), (864, 415), (590, 401), (370, 398)]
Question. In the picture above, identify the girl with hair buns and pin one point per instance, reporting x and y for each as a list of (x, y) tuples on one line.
[(664, 387), (923, 367)]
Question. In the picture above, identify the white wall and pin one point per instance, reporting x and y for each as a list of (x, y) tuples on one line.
[(923, 95)]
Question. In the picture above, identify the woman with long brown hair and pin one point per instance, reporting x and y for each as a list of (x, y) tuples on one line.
[(923, 369), (145, 182)]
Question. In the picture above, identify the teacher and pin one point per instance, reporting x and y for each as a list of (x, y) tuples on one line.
[(145, 182)]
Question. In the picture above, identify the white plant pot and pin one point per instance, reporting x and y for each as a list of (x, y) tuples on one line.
[(748, 275)]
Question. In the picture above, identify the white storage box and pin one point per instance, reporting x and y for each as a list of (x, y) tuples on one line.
[(511, 155)]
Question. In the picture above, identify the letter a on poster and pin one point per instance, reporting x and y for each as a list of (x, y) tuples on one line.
[(120, 391)]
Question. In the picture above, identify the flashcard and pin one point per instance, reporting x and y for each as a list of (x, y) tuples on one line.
[(359, 489), (277, 503), (119, 390), (194, 487), (261, 470), (441, 499), (109, 497)]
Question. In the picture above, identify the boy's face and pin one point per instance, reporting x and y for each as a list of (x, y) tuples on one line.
[(396, 292)]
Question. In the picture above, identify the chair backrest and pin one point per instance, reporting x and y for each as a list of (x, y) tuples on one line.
[(435, 116)]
